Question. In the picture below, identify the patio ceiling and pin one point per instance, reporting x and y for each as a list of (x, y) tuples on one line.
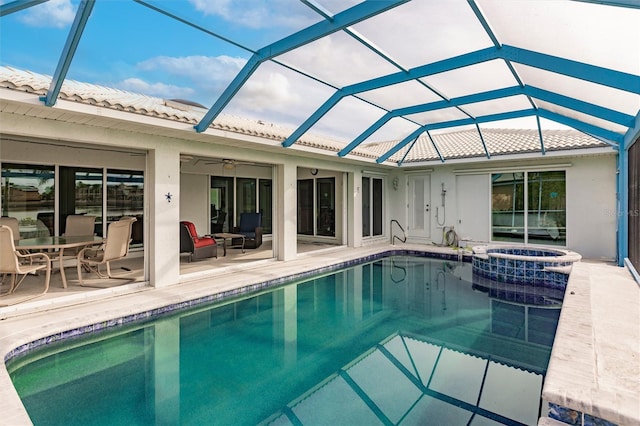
[(363, 72)]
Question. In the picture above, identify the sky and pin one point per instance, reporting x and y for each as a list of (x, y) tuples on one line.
[(129, 46)]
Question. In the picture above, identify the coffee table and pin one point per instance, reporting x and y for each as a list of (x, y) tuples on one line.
[(224, 236)]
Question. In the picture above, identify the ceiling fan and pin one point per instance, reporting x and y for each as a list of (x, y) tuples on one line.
[(227, 163)]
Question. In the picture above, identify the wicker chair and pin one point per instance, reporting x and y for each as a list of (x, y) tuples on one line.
[(251, 227), (198, 247)]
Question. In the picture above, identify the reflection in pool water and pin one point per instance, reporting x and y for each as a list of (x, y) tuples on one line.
[(401, 339)]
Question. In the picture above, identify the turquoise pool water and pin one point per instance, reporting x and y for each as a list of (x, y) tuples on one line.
[(401, 340)]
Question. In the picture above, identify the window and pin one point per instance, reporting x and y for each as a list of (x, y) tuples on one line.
[(232, 196), (28, 195), (265, 204), (247, 196), (305, 207), (316, 207), (222, 204), (529, 207), (326, 216), (125, 197), (372, 203), (80, 193)]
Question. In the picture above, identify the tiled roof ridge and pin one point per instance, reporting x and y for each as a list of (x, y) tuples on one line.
[(109, 97), (456, 144)]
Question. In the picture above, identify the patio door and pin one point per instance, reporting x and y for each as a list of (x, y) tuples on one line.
[(80, 193), (316, 207), (419, 206)]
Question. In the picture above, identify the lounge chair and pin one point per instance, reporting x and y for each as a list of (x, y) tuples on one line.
[(251, 227), (116, 247), (198, 247), (14, 264)]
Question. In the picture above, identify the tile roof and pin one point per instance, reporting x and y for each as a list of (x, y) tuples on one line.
[(452, 145), (468, 144)]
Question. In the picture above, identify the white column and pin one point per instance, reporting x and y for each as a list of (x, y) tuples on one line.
[(354, 209), (286, 218), (164, 216)]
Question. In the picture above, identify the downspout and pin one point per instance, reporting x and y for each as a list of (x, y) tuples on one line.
[(622, 185)]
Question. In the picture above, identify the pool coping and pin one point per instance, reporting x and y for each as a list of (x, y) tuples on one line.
[(217, 297), (595, 361), (74, 320)]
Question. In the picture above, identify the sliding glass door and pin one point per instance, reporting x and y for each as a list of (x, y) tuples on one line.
[(316, 207), (28, 193), (125, 197), (529, 207), (80, 193), (372, 206), (231, 196)]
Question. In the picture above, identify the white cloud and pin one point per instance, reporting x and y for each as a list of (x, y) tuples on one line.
[(263, 94), (201, 69), (54, 13), (257, 13), (155, 89)]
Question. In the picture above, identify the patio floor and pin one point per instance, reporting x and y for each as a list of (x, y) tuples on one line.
[(132, 267)]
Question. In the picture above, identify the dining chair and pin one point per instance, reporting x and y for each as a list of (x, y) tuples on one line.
[(15, 264), (42, 230), (12, 223), (116, 247), (79, 224)]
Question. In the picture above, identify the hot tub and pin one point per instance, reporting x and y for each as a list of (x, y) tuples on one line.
[(537, 266)]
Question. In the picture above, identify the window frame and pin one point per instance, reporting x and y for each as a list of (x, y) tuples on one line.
[(526, 210)]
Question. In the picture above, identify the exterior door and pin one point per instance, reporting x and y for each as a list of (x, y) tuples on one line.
[(419, 206), (474, 207)]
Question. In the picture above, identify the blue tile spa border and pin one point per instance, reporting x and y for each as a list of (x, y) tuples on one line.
[(216, 297), (576, 418)]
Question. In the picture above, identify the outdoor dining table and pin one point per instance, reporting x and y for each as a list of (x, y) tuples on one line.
[(58, 243)]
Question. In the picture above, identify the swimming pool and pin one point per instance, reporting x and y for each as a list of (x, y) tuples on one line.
[(396, 339)]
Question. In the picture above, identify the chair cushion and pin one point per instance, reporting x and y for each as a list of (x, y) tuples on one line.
[(191, 228), (249, 222), (203, 242), (197, 241)]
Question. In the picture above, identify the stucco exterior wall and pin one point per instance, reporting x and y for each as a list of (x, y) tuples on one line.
[(591, 201), (591, 207)]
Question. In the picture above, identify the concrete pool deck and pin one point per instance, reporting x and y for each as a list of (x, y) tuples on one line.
[(594, 367), (595, 363)]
